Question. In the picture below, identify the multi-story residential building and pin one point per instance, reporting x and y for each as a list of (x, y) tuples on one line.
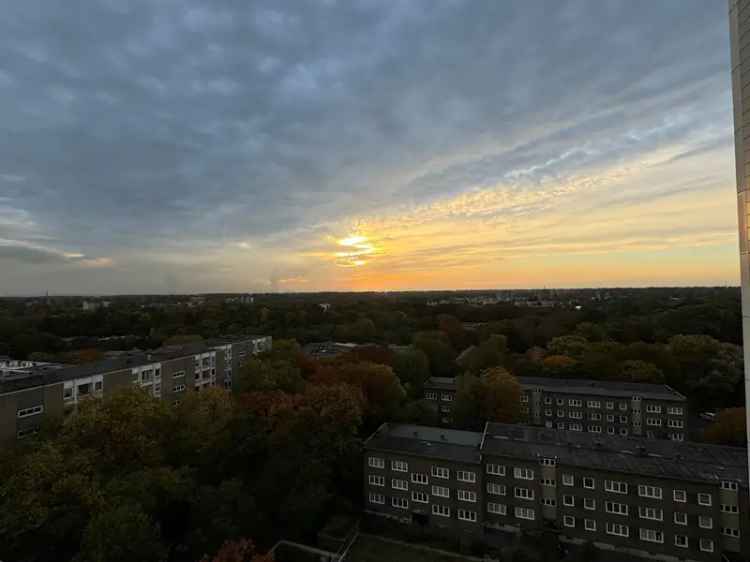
[(739, 27), (18, 367), (167, 373), (631, 495), (602, 407)]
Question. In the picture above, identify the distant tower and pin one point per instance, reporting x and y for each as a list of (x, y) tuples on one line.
[(739, 28)]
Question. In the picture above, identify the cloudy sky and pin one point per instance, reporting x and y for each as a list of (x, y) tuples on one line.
[(189, 146)]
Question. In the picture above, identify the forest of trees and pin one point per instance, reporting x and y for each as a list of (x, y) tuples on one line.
[(142, 480)]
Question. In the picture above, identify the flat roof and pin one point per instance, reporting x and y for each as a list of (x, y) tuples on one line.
[(588, 387), (697, 462), (42, 376), (601, 388), (425, 441)]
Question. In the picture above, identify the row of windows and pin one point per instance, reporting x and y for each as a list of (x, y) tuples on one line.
[(445, 396), (647, 535), (644, 491), (32, 411)]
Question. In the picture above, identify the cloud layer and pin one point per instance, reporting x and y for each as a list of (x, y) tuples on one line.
[(190, 146)]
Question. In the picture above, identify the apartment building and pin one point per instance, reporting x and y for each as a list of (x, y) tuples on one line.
[(167, 373), (647, 498), (655, 411)]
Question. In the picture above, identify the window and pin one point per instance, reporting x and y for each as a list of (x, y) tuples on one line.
[(680, 518), (705, 522), (567, 479), (419, 478), (548, 412), (400, 466), (549, 483), (560, 425), (589, 483), (524, 493), (674, 411), (617, 529), (676, 424), (466, 476), (496, 469), (495, 489), (610, 418), (653, 422), (569, 501), (610, 405), (400, 502), (178, 374), (681, 541), (441, 472), (616, 487), (376, 480), (552, 502), (589, 503), (727, 508), (589, 524), (446, 397), (441, 510), (178, 388), (32, 411), (727, 485), (730, 532), (560, 413), (575, 403), (420, 497), (98, 386), (594, 404), (547, 400), (653, 513), (707, 545), (576, 415), (441, 492), (524, 513), (397, 484), (623, 419), (520, 473), (466, 496), (616, 508), (653, 409), (623, 407), (611, 430), (595, 416), (497, 508), (524, 398), (549, 462), (653, 492), (704, 499), (376, 462), (560, 402), (377, 498), (679, 496), (430, 395), (569, 521), (466, 515), (651, 535), (575, 427)]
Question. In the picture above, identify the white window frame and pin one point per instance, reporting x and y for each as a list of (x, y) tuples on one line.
[(680, 518), (591, 485), (568, 479), (495, 469), (376, 480), (709, 545), (376, 498), (617, 529), (589, 525), (420, 478), (569, 521), (679, 496), (418, 496), (705, 499), (468, 496), (647, 491), (616, 487), (467, 515), (441, 510), (705, 522), (524, 513), (523, 493), (30, 411), (400, 502), (466, 476), (399, 466), (497, 508), (376, 462), (399, 484), (651, 535), (681, 541), (494, 489), (589, 504), (441, 491), (523, 473), (441, 472)]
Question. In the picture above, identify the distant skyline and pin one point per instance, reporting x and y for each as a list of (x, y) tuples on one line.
[(183, 146)]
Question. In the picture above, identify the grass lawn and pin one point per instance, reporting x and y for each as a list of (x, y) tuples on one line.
[(368, 549)]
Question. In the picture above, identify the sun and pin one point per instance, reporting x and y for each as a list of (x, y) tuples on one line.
[(358, 250)]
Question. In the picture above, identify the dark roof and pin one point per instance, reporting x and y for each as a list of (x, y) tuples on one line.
[(603, 388), (41, 376), (431, 442), (658, 458), (440, 383)]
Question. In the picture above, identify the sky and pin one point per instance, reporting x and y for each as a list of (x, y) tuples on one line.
[(179, 146)]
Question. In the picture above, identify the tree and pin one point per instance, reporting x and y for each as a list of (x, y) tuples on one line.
[(436, 346), (640, 371), (493, 396), (240, 550), (121, 533), (559, 365), (729, 428), (260, 375), (571, 346), (413, 369), (487, 354)]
